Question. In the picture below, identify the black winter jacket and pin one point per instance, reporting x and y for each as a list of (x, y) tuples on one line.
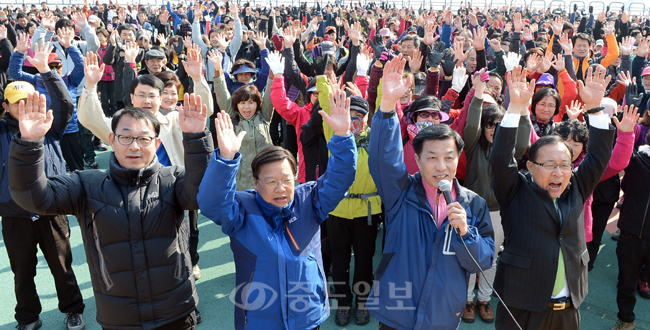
[(132, 225), (634, 213)]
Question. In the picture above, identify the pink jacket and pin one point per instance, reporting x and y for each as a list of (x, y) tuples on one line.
[(620, 159)]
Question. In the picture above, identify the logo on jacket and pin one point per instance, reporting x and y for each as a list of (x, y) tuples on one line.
[(292, 220), (151, 197)]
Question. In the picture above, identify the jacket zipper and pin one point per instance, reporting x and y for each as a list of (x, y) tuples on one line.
[(286, 227), (245, 296), (56, 172), (644, 215), (102, 263), (2, 174)]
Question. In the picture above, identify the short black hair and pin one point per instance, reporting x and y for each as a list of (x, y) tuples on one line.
[(543, 93), (138, 114), (547, 140), (576, 129), (437, 132), (272, 154), (414, 38), (149, 80), (123, 27), (20, 15), (490, 113), (63, 23), (582, 36)]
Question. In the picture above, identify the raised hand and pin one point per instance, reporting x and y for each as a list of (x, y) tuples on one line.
[(630, 118), (229, 143), (593, 88), (234, 10), (192, 116), (557, 25), (436, 55), (527, 34), (355, 33), (260, 40), (276, 63), (79, 19), (221, 42), (632, 95), (92, 70), (22, 43), (609, 28), (113, 37), (187, 42), (353, 89), (574, 111), (363, 63), (518, 22), (449, 62), (162, 40), (216, 58), (521, 92), (626, 45), (566, 44), (193, 64), (473, 21), (33, 118), (416, 61), (289, 38), (495, 44), (479, 38), (65, 37), (546, 63), (559, 63), (393, 86), (339, 116), (429, 30), (3, 32), (131, 51), (47, 20), (458, 51), (459, 78), (644, 47), (164, 17), (479, 81), (511, 60), (625, 79), (41, 56)]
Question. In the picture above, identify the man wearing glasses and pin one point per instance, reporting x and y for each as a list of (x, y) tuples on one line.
[(542, 273)]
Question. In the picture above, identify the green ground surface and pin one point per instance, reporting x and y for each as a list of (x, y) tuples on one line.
[(598, 311)]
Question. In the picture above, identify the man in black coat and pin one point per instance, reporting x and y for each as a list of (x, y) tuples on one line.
[(542, 273)]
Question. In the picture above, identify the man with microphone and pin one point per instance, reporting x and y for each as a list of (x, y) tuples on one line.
[(421, 282)]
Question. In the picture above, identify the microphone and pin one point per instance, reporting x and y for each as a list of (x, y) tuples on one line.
[(445, 187)]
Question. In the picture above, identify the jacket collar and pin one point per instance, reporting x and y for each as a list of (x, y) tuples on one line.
[(418, 188), (12, 123), (274, 215), (127, 177)]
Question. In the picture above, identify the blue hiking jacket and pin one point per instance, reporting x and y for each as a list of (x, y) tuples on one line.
[(71, 80), (277, 252), (421, 281)]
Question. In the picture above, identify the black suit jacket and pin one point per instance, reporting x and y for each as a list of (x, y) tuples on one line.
[(533, 235)]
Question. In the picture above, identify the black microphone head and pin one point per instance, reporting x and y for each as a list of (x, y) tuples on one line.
[(444, 185)]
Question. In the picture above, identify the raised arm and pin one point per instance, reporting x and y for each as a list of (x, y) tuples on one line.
[(220, 87), (89, 109), (193, 68)]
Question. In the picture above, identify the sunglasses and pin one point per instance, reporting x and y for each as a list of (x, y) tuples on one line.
[(427, 114), (492, 124)]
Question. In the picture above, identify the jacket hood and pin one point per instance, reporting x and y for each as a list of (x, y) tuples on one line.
[(127, 177), (546, 79), (274, 215), (13, 123)]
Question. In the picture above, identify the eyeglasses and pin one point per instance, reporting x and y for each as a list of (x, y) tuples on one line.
[(427, 114), (149, 97), (126, 140), (274, 183), (564, 167), (492, 124)]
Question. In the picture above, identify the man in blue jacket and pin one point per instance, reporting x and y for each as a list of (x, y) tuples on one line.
[(23, 231), (275, 230), (421, 282)]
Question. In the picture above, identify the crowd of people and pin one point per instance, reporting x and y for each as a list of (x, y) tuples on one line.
[(484, 147)]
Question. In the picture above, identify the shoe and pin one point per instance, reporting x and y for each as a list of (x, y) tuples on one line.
[(92, 165), (620, 325), (197, 314), (485, 311), (616, 234), (342, 316), (468, 312), (197, 272), (362, 316), (75, 321), (31, 326), (644, 289), (101, 146)]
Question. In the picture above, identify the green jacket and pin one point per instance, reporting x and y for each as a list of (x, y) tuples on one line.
[(479, 172), (257, 129)]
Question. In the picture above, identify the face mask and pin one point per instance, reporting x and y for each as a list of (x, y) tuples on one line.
[(357, 126), (414, 129)]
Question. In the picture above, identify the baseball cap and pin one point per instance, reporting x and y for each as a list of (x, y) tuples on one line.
[(53, 58), (18, 90), (92, 18), (600, 42), (384, 32), (154, 53), (645, 72)]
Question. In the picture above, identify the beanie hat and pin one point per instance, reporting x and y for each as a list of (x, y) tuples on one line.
[(360, 104)]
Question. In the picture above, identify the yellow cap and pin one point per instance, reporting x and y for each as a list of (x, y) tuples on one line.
[(18, 90)]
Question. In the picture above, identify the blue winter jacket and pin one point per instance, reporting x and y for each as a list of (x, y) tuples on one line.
[(61, 107), (277, 252), (71, 80), (421, 281)]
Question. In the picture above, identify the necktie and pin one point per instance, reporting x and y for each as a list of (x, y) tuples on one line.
[(559, 276), (579, 71)]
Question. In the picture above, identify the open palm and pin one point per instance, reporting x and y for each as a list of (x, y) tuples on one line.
[(193, 64), (193, 115), (92, 70), (339, 116), (520, 91), (393, 87), (592, 90), (34, 119), (229, 142)]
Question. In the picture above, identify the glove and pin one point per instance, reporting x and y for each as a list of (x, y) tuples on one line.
[(275, 62), (575, 7), (320, 63), (632, 95), (449, 62), (511, 60), (363, 63), (591, 9), (459, 79), (377, 44), (436, 54)]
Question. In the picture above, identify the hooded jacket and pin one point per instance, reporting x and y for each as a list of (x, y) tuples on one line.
[(132, 225), (276, 249), (421, 281)]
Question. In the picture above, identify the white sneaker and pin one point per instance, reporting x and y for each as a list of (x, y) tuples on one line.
[(197, 272)]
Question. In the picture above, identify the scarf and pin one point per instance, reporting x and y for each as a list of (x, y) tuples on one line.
[(414, 129), (357, 126)]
